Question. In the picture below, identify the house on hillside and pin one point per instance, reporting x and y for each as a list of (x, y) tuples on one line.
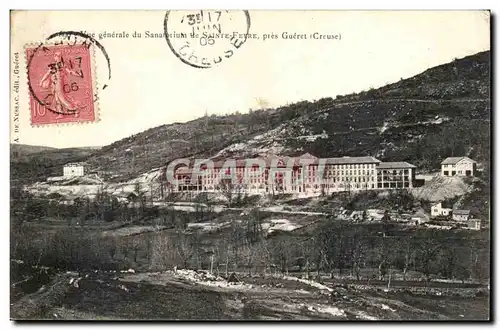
[(458, 166), (441, 209), (465, 219), (419, 218), (127, 197), (474, 224), (357, 215), (461, 215), (375, 214), (74, 169)]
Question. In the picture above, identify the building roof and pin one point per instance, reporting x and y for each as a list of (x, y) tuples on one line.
[(308, 155), (454, 160), (353, 160), (184, 170), (444, 204), (395, 165), (74, 164), (276, 161), (124, 194), (461, 212), (356, 213)]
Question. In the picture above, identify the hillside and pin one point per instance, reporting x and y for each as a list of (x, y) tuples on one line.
[(31, 163), (443, 188), (19, 150), (441, 112)]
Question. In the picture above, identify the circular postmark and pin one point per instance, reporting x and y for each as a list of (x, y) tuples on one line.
[(205, 38), (61, 77)]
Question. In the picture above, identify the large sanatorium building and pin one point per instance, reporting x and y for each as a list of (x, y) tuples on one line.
[(303, 175)]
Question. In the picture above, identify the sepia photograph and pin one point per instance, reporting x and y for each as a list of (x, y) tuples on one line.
[(250, 165)]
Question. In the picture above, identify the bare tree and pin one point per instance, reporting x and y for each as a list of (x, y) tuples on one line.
[(281, 253), (184, 248), (428, 250), (249, 253), (366, 183), (408, 248), (357, 251), (228, 189), (136, 246), (233, 242)]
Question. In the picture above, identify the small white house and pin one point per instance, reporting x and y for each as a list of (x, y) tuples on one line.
[(475, 224), (439, 210), (73, 169), (458, 166), (461, 215)]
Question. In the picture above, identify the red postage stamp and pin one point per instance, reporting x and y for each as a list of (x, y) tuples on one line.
[(61, 84)]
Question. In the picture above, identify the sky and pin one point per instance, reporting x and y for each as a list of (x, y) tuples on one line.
[(150, 86)]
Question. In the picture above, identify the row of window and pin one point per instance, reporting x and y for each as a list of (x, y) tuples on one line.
[(310, 167), (352, 183), (350, 172), (467, 172), (398, 184), (311, 173), (454, 165), (394, 172), (340, 179), (284, 188), (342, 169), (334, 179), (393, 178)]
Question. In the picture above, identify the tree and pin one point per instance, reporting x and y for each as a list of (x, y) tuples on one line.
[(332, 242), (183, 247), (141, 198), (402, 198), (235, 238), (357, 250), (386, 220), (406, 253), (447, 261), (428, 249), (136, 246), (364, 216), (383, 248), (324, 243), (281, 253), (348, 190), (254, 231), (228, 189), (305, 254), (249, 253)]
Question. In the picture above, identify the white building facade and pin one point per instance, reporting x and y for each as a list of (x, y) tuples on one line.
[(394, 175), (458, 166), (461, 215), (73, 169), (437, 210), (305, 175)]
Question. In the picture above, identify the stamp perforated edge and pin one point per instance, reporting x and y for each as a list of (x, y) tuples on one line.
[(95, 85)]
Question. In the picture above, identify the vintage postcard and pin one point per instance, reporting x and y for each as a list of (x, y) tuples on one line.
[(250, 165)]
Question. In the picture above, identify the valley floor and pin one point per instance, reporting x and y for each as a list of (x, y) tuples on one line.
[(190, 295)]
